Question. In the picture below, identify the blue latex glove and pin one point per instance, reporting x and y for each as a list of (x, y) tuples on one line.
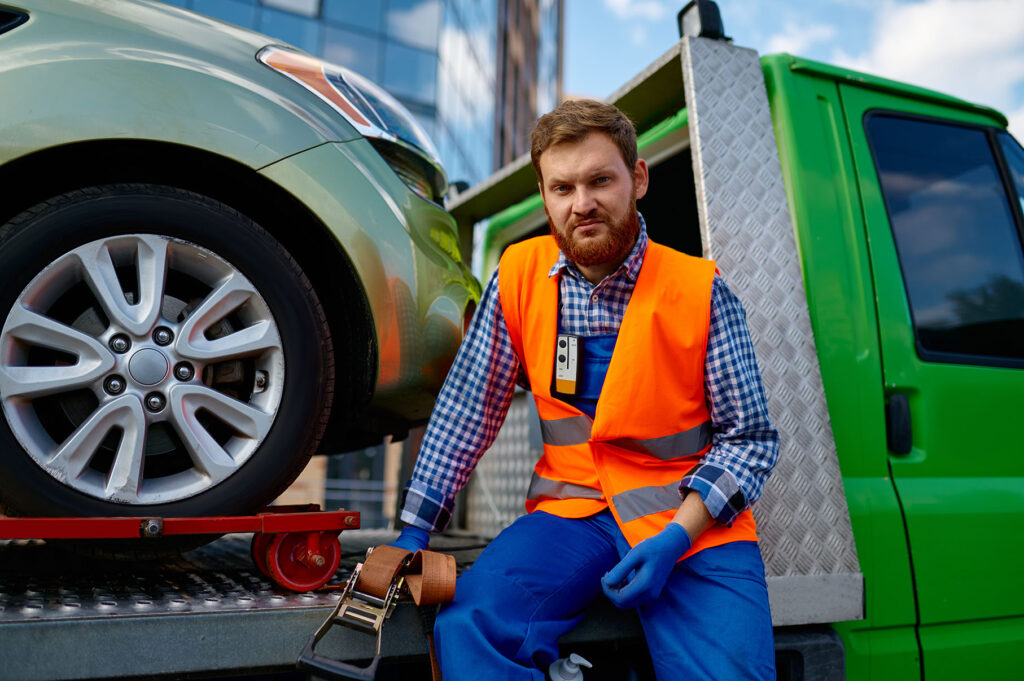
[(412, 539), (650, 562)]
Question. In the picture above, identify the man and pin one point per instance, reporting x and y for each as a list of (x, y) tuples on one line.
[(652, 455)]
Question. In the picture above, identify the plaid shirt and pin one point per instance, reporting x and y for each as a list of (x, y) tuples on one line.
[(479, 388)]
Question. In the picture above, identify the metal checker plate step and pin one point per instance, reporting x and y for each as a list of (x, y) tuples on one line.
[(45, 582)]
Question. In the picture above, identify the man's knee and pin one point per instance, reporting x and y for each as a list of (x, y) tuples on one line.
[(486, 603)]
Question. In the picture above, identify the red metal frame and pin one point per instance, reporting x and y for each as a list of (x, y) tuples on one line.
[(273, 519), (296, 546)]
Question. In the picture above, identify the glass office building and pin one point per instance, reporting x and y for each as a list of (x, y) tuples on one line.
[(476, 73)]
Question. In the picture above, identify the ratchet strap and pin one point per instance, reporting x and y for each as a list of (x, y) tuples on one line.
[(370, 596), (429, 576)]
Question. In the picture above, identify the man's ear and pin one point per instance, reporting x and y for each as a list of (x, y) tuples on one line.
[(640, 177)]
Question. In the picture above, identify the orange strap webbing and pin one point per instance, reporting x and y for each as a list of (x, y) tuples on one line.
[(429, 576), (370, 597)]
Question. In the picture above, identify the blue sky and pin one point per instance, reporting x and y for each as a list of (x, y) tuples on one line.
[(972, 49)]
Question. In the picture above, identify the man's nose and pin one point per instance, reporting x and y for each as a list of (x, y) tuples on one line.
[(584, 201)]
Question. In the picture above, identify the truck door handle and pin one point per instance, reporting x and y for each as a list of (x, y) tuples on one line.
[(897, 424)]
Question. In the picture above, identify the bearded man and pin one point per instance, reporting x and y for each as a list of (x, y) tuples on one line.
[(656, 434)]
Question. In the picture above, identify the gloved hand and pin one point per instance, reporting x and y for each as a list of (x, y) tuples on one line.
[(412, 539), (651, 561)]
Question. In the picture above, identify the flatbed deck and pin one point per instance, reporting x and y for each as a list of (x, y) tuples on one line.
[(68, 616), (207, 612)]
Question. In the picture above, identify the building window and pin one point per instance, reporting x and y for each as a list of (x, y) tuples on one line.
[(357, 51), (238, 12), (364, 14), (415, 22), (410, 73), (309, 8), (302, 32)]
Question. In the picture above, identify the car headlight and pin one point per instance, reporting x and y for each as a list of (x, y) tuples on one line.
[(378, 116)]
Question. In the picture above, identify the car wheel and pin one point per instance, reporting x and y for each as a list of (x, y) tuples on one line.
[(161, 354)]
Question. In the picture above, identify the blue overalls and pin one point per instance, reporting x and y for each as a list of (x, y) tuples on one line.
[(533, 582)]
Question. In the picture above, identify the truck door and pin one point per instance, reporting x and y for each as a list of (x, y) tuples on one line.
[(942, 206)]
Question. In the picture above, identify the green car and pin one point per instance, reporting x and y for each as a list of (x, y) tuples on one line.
[(219, 256)]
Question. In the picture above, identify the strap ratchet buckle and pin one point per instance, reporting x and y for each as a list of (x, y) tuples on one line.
[(365, 612), (390, 573), (355, 610)]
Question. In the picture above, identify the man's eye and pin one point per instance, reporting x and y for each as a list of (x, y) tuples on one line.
[(562, 188), (602, 180)]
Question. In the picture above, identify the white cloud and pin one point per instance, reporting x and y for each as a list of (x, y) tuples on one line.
[(972, 49), (638, 35), (651, 10), (796, 39), (1016, 122)]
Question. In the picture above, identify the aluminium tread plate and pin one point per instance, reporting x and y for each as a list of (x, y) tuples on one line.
[(67, 616), (803, 519)]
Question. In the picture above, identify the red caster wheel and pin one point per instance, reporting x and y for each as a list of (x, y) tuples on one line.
[(303, 561), (258, 551)]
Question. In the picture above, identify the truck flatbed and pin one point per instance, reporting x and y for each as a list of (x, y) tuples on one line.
[(68, 616), (208, 611)]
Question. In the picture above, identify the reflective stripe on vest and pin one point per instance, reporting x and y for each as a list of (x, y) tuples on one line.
[(640, 501), (575, 430), (686, 443), (542, 488)]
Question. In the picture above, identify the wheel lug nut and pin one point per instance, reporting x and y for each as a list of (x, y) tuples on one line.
[(155, 402), (184, 371), (162, 336), (114, 385), (120, 343)]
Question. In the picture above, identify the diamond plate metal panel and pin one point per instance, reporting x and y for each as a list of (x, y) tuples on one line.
[(497, 491), (803, 520)]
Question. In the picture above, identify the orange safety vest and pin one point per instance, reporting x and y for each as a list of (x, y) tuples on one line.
[(651, 425)]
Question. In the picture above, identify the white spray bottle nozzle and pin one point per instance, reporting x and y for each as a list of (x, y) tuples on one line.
[(568, 668)]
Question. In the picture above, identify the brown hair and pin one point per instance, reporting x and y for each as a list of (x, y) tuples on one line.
[(574, 119)]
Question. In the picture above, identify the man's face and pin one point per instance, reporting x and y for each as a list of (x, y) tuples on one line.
[(590, 198)]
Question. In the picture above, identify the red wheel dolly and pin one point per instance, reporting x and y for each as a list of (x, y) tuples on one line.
[(296, 546)]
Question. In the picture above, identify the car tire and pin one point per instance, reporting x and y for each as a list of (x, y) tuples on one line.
[(82, 280)]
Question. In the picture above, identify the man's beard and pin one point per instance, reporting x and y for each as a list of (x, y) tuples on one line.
[(613, 247)]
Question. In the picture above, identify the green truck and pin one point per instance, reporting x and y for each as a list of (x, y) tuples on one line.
[(874, 231)]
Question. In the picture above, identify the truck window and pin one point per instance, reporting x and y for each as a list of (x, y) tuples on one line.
[(956, 236), (1015, 161)]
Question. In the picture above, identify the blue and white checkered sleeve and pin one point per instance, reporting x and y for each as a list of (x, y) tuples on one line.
[(745, 445), (467, 415)]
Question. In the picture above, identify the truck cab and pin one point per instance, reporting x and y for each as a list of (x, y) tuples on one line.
[(907, 209)]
